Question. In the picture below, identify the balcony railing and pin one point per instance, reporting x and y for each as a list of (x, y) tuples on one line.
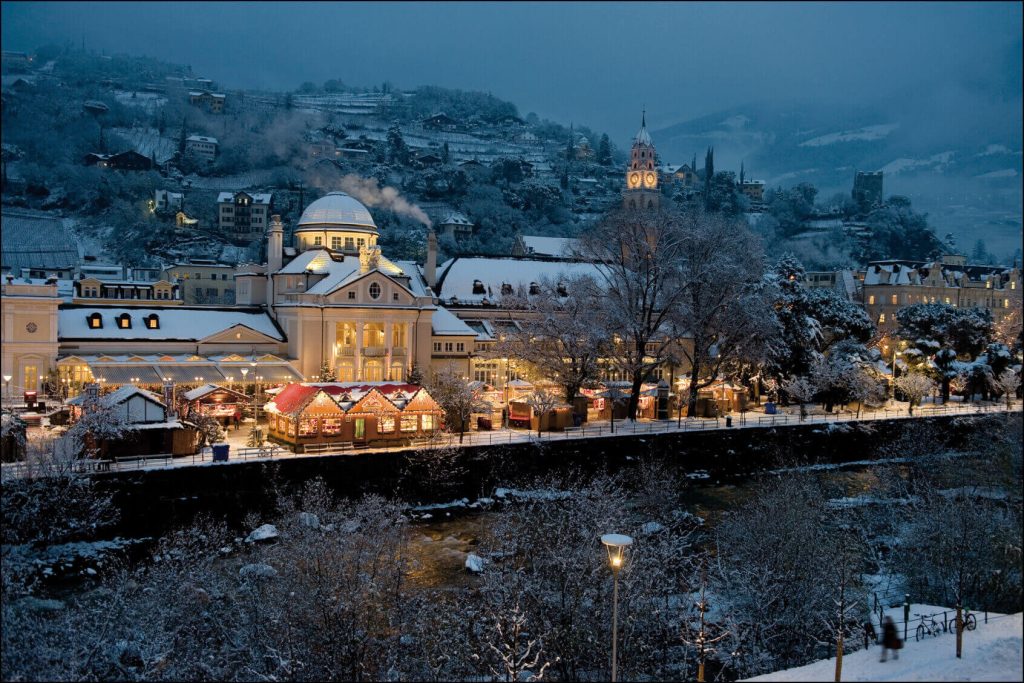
[(398, 351), (347, 351), (374, 351)]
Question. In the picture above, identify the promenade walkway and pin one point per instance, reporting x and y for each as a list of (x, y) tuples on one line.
[(239, 452)]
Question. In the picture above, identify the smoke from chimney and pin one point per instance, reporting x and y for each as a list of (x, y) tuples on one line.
[(371, 194)]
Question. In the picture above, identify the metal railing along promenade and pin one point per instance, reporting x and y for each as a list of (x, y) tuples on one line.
[(604, 429)]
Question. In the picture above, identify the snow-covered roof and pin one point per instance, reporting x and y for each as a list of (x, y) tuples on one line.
[(177, 323), (549, 246), (336, 209), (257, 197), (444, 322), (201, 138), (37, 242), (119, 395), (205, 390), (903, 272), (456, 218), (457, 276)]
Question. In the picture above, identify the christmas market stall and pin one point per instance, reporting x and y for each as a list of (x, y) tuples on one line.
[(225, 405), (375, 413)]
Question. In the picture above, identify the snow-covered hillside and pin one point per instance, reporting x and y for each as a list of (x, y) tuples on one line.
[(993, 652)]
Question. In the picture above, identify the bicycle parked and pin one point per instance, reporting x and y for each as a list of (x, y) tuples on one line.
[(970, 622), (927, 627)]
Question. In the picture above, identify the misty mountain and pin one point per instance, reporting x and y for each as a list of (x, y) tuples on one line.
[(956, 152)]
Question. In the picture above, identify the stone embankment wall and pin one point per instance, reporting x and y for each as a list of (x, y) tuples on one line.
[(151, 501)]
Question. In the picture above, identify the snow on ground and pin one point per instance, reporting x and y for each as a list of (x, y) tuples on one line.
[(866, 133), (993, 652), (1004, 173), (937, 161)]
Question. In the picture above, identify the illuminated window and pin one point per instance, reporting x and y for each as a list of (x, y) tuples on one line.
[(374, 290), (152, 321), (409, 423), (871, 299), (428, 423), (1013, 284), (988, 284), (895, 299), (330, 426), (947, 300), (95, 321), (387, 424), (1006, 303), (881, 317), (124, 321)]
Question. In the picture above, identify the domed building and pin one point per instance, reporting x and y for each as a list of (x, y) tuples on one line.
[(347, 309), (337, 221)]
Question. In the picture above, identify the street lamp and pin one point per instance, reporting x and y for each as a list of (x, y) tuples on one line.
[(616, 545)]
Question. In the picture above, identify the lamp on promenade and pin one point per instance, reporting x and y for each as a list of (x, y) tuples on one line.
[(616, 545)]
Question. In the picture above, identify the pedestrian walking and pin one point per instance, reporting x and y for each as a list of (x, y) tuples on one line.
[(870, 635), (890, 639)]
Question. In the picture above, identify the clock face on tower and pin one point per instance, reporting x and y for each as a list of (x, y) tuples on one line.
[(650, 180), (634, 180)]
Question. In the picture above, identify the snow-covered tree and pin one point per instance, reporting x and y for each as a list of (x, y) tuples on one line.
[(458, 399), (640, 253), (1008, 383), (98, 425), (724, 311), (208, 428), (915, 386), (561, 337), (801, 390)]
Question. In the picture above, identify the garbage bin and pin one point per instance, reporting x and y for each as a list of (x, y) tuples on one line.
[(769, 408), (728, 420), (220, 452)]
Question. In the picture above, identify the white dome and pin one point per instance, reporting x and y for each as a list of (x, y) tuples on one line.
[(336, 210)]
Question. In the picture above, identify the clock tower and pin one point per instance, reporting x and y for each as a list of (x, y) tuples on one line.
[(641, 190)]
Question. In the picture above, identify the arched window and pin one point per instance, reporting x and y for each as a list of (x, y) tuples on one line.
[(95, 321), (152, 321), (124, 321)]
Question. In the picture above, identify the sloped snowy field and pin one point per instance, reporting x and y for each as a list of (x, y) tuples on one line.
[(990, 653)]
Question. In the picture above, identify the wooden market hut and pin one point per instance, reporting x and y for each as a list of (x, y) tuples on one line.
[(216, 401), (362, 414)]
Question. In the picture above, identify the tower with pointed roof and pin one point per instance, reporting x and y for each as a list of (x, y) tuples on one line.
[(641, 190)]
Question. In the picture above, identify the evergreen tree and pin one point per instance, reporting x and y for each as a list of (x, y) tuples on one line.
[(570, 148), (397, 149), (445, 154), (980, 253), (709, 172), (181, 138), (564, 180), (327, 373), (693, 163), (743, 174), (604, 151)]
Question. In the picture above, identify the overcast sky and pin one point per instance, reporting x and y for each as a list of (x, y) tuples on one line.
[(595, 63)]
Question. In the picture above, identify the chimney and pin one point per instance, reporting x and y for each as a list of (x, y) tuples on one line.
[(168, 393), (275, 245), (430, 268)]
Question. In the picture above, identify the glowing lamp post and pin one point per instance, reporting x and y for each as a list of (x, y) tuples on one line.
[(616, 545)]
